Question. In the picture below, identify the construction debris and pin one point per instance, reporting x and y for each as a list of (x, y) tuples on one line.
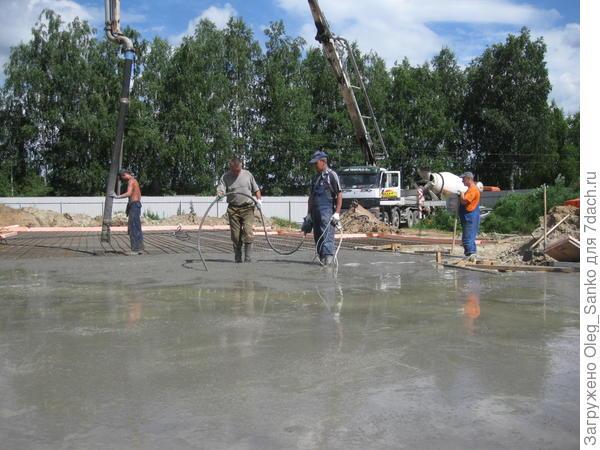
[(359, 220)]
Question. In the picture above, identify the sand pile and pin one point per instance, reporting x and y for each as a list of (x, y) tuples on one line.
[(359, 220), (32, 217)]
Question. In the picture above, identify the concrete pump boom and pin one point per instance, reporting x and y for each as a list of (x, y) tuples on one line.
[(114, 34), (373, 152)]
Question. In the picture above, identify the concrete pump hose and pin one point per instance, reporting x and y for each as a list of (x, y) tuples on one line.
[(262, 218)]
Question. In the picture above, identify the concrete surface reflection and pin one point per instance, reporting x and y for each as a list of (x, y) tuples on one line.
[(376, 357)]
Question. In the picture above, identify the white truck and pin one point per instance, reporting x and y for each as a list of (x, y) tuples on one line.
[(373, 187), (380, 191)]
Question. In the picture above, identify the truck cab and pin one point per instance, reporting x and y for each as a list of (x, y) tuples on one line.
[(368, 186)]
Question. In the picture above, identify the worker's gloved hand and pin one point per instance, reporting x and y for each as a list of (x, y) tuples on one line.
[(113, 195), (259, 203), (307, 225), (335, 219)]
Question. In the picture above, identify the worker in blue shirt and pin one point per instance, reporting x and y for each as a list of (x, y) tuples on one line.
[(324, 206)]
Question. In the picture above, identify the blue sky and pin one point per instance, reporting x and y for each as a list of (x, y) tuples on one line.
[(395, 29)]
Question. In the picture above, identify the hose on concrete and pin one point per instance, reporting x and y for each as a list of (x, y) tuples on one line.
[(338, 225), (262, 217)]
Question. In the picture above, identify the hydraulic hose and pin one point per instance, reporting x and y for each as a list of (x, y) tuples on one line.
[(262, 217)]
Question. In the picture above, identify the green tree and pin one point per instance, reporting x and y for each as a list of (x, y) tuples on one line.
[(279, 160), (506, 112), (145, 144), (424, 101), (195, 119)]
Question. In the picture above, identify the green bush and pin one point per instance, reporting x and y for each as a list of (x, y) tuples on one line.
[(148, 214), (441, 219), (518, 213)]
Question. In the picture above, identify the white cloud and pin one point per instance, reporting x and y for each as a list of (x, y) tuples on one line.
[(407, 28), (216, 14), (563, 64), (19, 16)]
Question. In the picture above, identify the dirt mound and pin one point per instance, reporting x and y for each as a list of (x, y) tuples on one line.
[(32, 217), (568, 227), (359, 220)]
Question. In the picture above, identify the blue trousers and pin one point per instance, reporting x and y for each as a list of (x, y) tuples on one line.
[(134, 226), (323, 232), (470, 227)]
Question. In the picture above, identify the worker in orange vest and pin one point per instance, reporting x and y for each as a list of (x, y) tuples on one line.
[(468, 212)]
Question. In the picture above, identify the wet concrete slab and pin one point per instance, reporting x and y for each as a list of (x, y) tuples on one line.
[(389, 352)]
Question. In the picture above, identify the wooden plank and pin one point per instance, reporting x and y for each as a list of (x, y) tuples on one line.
[(495, 268), (524, 268), (378, 248), (468, 267), (565, 249)]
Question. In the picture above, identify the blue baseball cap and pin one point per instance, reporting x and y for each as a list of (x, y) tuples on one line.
[(317, 156)]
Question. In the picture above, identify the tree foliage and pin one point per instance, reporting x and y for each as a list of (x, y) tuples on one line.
[(220, 93)]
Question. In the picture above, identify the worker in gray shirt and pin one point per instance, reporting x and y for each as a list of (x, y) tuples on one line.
[(240, 208)]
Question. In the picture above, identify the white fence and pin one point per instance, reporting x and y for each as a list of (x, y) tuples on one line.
[(290, 208)]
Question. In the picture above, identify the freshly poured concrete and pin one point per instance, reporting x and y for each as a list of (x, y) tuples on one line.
[(154, 353)]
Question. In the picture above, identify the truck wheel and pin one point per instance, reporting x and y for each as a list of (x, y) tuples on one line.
[(410, 218), (385, 217), (416, 218), (395, 218)]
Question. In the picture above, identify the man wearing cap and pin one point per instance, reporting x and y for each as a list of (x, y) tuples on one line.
[(133, 211), (240, 210), (468, 212), (324, 206)]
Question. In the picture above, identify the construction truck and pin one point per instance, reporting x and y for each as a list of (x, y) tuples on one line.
[(372, 186)]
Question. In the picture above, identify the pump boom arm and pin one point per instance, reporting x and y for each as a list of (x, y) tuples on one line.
[(328, 40)]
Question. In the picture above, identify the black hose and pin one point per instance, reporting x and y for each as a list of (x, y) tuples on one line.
[(262, 217)]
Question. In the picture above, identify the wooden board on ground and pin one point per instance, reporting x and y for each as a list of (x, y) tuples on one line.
[(564, 249), (487, 267), (8, 231), (394, 246)]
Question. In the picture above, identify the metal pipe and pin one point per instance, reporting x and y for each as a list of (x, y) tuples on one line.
[(112, 19), (112, 14)]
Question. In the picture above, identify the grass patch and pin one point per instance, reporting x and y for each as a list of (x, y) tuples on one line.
[(284, 223), (441, 219), (520, 213)]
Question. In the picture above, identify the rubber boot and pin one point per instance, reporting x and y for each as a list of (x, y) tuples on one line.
[(237, 250), (248, 252)]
